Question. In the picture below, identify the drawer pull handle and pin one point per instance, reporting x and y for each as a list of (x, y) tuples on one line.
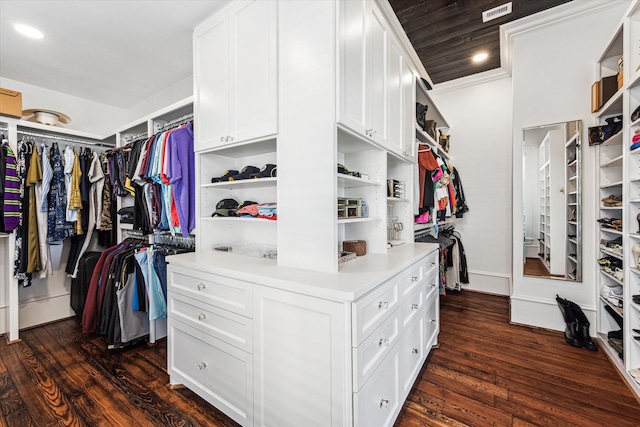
[(433, 285), (432, 320), (383, 341), (202, 316), (384, 402), (383, 304), (414, 350), (433, 264), (202, 365), (414, 278), (414, 306), (202, 286)]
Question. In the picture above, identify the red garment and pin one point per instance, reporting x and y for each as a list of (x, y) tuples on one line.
[(426, 162), (90, 313)]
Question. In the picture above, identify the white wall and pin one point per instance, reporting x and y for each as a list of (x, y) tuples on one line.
[(87, 116), (176, 92), (480, 121), (553, 70)]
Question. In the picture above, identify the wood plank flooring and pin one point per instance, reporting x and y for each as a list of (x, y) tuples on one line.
[(484, 373)]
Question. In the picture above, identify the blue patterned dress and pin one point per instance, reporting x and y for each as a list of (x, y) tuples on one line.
[(58, 228)]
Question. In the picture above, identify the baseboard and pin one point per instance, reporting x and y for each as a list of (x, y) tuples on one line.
[(488, 282), (541, 313)]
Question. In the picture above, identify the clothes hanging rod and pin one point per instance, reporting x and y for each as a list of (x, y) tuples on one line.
[(65, 139), (135, 137), (174, 122)]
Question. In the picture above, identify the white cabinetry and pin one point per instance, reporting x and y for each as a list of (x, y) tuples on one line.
[(374, 84), (235, 74), (619, 175), (271, 345)]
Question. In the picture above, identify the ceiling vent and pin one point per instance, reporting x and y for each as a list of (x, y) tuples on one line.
[(496, 12)]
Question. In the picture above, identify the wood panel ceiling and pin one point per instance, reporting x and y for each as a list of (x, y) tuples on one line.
[(447, 33)]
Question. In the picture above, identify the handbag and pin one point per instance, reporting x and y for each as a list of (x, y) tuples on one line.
[(421, 115)]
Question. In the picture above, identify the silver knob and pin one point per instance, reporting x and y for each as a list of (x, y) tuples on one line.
[(202, 365), (202, 316), (383, 342), (414, 350), (432, 320), (383, 304), (384, 402), (222, 139), (202, 286), (433, 264), (414, 306), (433, 285), (414, 278), (230, 138)]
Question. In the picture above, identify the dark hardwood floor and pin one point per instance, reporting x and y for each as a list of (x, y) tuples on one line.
[(484, 373)]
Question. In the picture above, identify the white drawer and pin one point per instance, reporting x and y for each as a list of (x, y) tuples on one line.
[(431, 263), (370, 353), (229, 327), (219, 373), (432, 321), (372, 309), (411, 353), (412, 307), (220, 291), (378, 403), (411, 279)]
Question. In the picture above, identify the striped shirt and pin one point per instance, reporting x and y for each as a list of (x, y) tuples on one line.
[(11, 203), (47, 174)]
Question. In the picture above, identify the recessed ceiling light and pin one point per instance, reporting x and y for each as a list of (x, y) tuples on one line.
[(28, 31), (480, 57)]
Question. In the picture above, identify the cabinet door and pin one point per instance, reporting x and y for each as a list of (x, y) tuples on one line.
[(253, 102), (395, 60), (377, 91), (211, 77), (408, 111), (352, 60), (300, 356)]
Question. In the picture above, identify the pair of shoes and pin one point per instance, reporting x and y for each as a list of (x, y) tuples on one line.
[(576, 332), (612, 201), (615, 334), (636, 298)]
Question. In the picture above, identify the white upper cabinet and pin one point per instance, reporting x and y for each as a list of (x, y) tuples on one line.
[(373, 87), (377, 95), (235, 74)]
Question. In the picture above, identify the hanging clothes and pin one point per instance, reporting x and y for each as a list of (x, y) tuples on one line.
[(58, 228), (11, 190), (95, 176), (22, 230), (34, 175)]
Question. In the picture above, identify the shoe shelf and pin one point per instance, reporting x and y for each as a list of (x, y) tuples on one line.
[(615, 308), (613, 106), (612, 277), (611, 184), (610, 253), (615, 162), (610, 231)]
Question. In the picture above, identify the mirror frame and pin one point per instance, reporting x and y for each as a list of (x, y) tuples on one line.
[(572, 189)]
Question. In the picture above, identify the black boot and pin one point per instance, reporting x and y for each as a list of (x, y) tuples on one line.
[(571, 331), (583, 326)]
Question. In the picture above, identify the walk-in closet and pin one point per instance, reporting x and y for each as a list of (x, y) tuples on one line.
[(319, 213)]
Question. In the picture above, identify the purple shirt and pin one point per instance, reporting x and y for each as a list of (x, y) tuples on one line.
[(182, 176)]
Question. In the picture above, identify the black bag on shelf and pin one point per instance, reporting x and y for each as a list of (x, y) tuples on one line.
[(421, 115)]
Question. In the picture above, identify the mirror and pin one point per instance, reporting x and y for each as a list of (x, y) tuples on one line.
[(552, 246)]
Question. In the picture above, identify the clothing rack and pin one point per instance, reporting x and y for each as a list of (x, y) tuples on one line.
[(64, 139), (135, 137), (177, 241), (175, 123)]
